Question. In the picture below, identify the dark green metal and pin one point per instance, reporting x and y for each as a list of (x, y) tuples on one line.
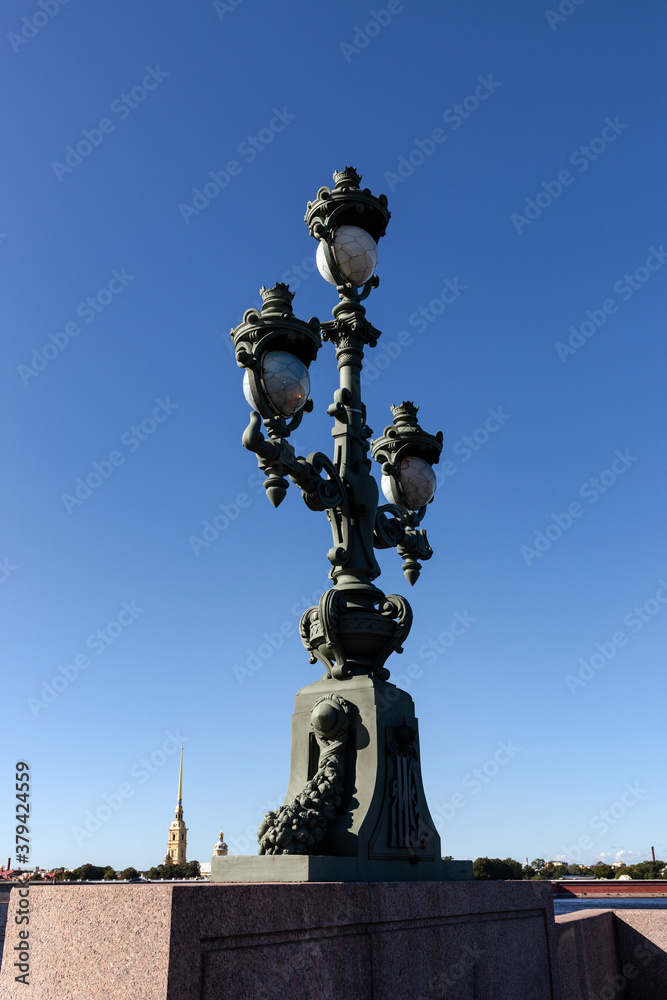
[(356, 626), (397, 526)]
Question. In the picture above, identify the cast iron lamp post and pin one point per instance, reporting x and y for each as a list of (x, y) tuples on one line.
[(355, 805)]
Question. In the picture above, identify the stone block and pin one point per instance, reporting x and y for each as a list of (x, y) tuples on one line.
[(587, 954), (264, 941), (642, 943)]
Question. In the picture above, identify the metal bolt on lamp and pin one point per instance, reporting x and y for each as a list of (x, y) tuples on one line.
[(355, 806)]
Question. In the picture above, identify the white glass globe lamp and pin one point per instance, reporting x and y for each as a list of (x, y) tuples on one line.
[(416, 484), (286, 382), (355, 253)]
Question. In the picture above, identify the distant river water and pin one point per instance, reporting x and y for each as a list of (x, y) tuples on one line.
[(635, 903)]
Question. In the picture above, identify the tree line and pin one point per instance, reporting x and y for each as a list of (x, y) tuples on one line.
[(97, 873), (483, 868), (508, 868)]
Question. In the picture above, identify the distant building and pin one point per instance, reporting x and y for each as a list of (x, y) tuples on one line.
[(178, 831), (220, 849)]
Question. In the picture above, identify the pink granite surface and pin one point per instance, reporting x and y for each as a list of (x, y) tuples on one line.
[(264, 941), (92, 941), (587, 954), (609, 954), (642, 941)]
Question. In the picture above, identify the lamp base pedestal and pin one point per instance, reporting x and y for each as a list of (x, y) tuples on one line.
[(381, 823)]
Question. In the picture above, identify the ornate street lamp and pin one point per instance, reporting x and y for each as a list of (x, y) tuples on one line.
[(355, 806)]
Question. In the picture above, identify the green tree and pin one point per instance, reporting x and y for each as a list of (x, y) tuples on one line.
[(550, 872), (529, 872), (129, 873), (538, 864), (190, 869), (91, 873), (109, 874), (643, 870), (600, 870), (495, 868)]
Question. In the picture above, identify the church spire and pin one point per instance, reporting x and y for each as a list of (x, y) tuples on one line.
[(179, 801), (178, 832)]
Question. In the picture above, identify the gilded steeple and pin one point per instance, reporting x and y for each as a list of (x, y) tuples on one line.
[(179, 801), (178, 832)]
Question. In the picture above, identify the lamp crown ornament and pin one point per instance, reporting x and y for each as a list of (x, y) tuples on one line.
[(276, 299), (347, 205), (347, 177), (405, 415)]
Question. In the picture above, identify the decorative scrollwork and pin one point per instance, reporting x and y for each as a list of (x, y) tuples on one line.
[(278, 459), (326, 645), (319, 493), (388, 532), (397, 607)]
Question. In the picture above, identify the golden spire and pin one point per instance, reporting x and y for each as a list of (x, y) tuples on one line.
[(180, 780), (178, 832)]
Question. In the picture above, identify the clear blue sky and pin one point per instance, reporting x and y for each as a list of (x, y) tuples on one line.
[(540, 199)]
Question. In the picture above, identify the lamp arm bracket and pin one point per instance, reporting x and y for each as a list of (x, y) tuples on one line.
[(401, 531), (268, 452)]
